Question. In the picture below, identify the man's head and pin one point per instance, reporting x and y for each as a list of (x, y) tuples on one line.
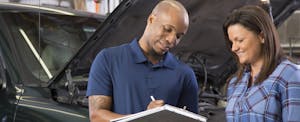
[(166, 25)]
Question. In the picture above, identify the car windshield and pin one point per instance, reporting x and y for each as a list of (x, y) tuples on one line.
[(45, 42)]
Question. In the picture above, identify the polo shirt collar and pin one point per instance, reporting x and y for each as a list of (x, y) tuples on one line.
[(169, 61), (139, 57)]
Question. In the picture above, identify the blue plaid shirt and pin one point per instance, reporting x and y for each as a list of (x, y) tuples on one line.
[(276, 99)]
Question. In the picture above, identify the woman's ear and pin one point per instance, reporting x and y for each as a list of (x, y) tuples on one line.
[(261, 37)]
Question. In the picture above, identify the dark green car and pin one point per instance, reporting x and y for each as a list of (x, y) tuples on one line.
[(35, 43), (45, 54)]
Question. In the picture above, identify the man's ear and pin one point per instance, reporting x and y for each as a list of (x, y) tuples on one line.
[(151, 19)]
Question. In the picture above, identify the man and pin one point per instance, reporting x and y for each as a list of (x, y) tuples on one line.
[(123, 78)]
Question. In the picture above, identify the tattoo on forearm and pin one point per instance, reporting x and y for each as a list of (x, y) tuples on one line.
[(99, 102)]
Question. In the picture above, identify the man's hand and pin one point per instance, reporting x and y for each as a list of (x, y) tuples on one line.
[(155, 103)]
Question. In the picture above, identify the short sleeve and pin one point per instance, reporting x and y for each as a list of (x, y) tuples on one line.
[(99, 81), (189, 95)]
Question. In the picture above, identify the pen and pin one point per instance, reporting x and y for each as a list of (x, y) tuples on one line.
[(152, 98)]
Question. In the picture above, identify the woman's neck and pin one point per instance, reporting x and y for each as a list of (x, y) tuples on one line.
[(255, 68)]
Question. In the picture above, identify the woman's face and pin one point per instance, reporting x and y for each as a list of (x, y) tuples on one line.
[(246, 44)]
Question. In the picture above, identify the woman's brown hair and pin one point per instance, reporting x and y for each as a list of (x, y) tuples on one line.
[(257, 20)]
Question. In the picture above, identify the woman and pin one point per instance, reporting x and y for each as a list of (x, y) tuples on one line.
[(266, 86)]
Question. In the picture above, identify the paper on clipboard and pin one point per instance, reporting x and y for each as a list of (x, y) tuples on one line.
[(166, 113)]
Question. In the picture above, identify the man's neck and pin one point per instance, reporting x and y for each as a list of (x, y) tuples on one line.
[(154, 59), (150, 55)]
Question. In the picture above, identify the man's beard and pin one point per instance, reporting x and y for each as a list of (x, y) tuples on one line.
[(156, 55)]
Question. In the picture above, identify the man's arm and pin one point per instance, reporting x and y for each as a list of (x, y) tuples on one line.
[(100, 109), (189, 95)]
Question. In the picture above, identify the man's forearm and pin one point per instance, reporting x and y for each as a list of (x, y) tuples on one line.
[(104, 116), (100, 109)]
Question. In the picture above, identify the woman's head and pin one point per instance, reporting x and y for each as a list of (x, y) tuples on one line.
[(252, 37), (246, 44)]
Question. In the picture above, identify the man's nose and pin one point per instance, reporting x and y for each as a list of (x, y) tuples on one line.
[(171, 39)]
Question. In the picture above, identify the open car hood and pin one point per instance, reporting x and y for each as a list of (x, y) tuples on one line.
[(203, 44), (203, 47)]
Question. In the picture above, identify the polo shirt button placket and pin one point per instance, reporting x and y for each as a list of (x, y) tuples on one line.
[(148, 79)]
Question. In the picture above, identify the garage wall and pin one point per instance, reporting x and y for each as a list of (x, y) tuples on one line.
[(289, 33), (103, 7)]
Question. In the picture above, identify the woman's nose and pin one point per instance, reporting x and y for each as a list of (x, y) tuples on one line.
[(234, 47)]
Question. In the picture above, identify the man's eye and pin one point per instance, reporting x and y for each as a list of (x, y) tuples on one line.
[(168, 29)]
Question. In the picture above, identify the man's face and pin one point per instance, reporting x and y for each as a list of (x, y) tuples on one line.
[(166, 32)]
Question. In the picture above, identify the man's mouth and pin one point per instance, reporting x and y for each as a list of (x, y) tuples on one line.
[(164, 47)]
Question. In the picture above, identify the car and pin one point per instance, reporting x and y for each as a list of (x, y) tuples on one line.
[(62, 97), (35, 43)]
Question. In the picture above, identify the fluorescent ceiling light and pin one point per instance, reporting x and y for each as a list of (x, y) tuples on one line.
[(265, 1), (39, 7)]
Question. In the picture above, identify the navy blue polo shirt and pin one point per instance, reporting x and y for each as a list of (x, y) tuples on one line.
[(125, 74)]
